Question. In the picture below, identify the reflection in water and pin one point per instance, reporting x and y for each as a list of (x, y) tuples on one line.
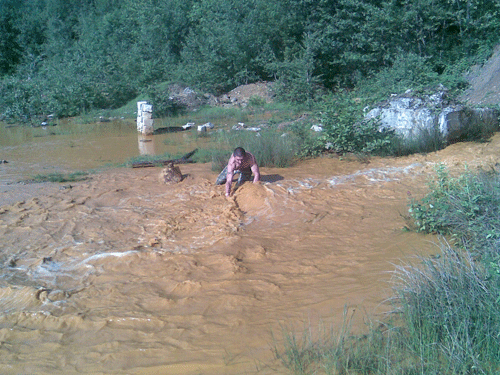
[(146, 144), (122, 274)]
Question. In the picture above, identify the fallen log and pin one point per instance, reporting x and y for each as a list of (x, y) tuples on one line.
[(182, 160)]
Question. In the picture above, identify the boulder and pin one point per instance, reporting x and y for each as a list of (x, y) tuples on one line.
[(410, 115), (171, 174), (189, 99), (455, 122)]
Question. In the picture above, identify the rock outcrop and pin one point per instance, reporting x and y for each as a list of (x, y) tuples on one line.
[(411, 115)]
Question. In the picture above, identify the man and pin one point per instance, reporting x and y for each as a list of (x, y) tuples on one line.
[(241, 162)]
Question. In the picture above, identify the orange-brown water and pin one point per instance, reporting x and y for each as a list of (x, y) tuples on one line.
[(121, 274)]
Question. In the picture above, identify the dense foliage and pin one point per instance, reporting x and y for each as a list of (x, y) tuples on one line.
[(70, 57)]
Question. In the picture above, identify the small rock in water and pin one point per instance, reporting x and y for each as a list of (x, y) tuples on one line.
[(42, 294)]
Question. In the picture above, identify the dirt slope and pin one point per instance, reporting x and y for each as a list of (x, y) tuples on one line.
[(484, 83)]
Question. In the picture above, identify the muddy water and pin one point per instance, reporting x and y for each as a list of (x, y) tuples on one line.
[(121, 274), (70, 147)]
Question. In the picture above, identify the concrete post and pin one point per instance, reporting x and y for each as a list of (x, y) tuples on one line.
[(145, 123)]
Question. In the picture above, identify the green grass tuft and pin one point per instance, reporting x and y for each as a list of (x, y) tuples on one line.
[(60, 177)]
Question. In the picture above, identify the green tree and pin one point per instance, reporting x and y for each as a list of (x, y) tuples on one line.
[(10, 50), (235, 42)]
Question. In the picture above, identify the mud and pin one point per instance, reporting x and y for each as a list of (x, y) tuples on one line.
[(121, 274)]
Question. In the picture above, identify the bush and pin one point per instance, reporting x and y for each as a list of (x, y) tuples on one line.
[(311, 143), (346, 130), (163, 104), (466, 207), (408, 71), (256, 101), (62, 92)]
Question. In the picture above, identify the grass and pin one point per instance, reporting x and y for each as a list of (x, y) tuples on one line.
[(450, 311), (60, 177), (150, 158), (270, 148), (329, 351), (426, 140), (446, 317)]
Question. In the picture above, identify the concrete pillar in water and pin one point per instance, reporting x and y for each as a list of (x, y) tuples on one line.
[(146, 144), (145, 118)]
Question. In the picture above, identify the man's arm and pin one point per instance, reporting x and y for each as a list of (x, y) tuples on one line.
[(256, 173), (229, 181)]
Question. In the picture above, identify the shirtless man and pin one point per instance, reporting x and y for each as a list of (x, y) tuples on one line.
[(241, 162)]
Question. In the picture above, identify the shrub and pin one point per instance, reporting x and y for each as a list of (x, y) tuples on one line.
[(311, 143), (408, 71), (163, 104), (256, 101), (347, 130), (466, 207)]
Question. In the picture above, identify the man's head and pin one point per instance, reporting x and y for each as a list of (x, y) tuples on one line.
[(239, 153)]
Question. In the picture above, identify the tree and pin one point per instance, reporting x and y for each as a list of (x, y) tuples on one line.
[(10, 50)]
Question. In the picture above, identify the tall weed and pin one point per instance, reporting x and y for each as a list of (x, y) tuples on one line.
[(450, 312), (270, 148), (426, 140), (446, 321)]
